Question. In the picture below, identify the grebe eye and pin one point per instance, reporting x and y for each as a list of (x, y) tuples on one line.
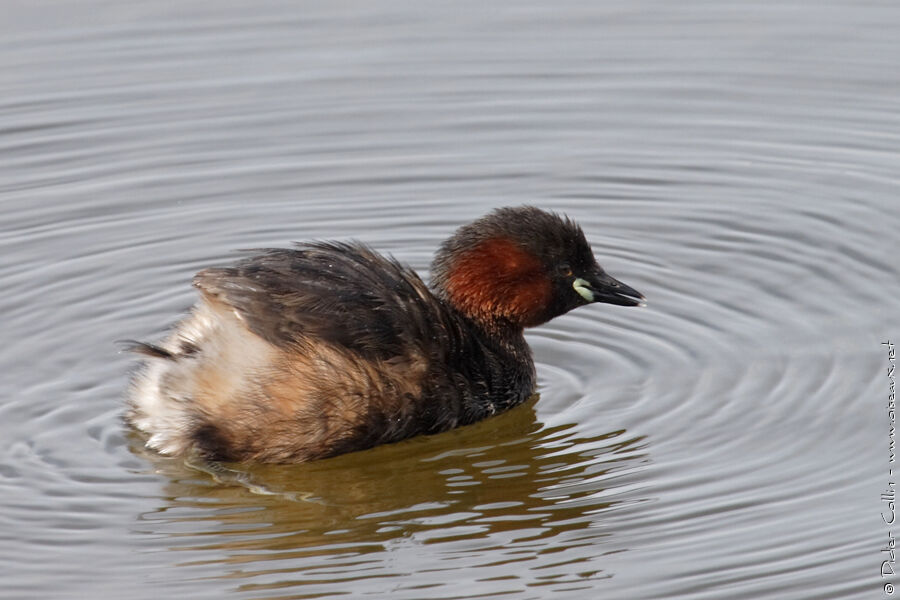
[(566, 270)]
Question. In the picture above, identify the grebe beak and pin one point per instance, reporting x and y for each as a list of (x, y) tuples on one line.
[(598, 286)]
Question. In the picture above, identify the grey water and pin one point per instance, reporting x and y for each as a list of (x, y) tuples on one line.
[(735, 161)]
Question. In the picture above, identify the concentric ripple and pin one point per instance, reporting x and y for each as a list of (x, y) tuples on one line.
[(735, 162)]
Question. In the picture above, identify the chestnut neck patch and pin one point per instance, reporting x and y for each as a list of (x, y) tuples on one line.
[(497, 279)]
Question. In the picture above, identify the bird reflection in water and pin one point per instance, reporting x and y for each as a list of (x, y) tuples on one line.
[(507, 482)]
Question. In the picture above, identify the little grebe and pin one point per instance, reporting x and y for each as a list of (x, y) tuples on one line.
[(300, 354)]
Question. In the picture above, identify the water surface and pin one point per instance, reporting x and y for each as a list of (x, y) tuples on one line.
[(735, 162)]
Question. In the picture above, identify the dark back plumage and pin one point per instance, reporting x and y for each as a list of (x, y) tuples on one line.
[(339, 293)]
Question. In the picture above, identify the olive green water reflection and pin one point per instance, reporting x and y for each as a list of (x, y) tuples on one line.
[(500, 488)]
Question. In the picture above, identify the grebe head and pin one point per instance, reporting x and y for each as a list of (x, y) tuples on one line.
[(522, 266)]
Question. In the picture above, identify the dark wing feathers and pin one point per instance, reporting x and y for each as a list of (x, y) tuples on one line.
[(344, 294)]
